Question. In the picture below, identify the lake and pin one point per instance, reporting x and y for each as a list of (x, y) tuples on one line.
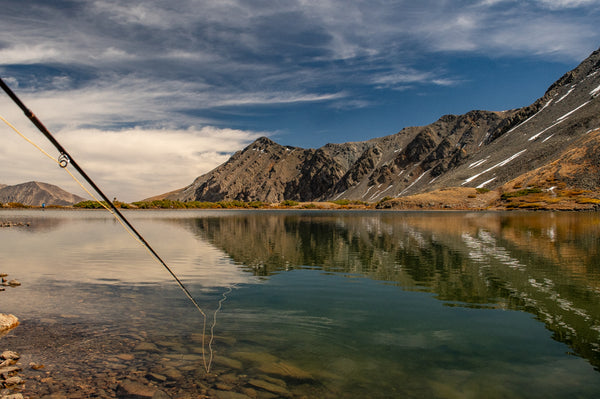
[(307, 304)]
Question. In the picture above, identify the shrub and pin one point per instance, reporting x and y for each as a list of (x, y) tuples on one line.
[(201, 205), (256, 204), (594, 201), (89, 204), (160, 204), (289, 203), (122, 205), (520, 193), (482, 190), (342, 202), (17, 205), (231, 204), (345, 202)]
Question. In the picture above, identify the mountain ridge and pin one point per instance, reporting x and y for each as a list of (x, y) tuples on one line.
[(37, 193), (479, 149)]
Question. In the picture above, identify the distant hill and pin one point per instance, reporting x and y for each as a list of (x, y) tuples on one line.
[(552, 142), (37, 193)]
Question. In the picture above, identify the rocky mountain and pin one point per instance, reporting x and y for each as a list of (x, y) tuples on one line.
[(37, 193), (554, 141)]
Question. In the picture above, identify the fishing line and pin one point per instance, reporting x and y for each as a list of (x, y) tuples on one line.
[(63, 161), (212, 332)]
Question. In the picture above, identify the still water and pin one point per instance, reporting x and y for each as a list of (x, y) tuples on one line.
[(321, 304)]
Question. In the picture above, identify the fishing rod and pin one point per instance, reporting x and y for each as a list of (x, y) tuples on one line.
[(65, 159)]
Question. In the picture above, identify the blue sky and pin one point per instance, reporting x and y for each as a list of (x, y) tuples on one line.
[(147, 95)]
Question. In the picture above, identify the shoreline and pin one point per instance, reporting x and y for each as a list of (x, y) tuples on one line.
[(448, 199)]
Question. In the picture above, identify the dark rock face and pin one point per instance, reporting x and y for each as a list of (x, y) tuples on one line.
[(477, 149), (37, 193)]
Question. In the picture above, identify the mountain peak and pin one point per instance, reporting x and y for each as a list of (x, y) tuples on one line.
[(37, 193)]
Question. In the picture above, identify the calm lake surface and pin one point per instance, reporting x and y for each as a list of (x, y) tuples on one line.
[(323, 304)]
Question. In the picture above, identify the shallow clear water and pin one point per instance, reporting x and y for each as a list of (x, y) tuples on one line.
[(349, 304)]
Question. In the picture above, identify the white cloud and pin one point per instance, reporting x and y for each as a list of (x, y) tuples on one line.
[(558, 4), (130, 164)]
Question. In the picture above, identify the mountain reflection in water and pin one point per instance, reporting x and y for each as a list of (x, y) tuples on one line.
[(546, 264)]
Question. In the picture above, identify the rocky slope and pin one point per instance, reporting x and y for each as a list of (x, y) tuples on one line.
[(554, 141), (37, 193)]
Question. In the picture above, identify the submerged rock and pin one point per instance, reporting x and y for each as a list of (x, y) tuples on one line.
[(8, 321), (285, 370), (256, 357), (227, 362), (135, 390), (267, 386), (146, 347), (228, 395), (10, 355)]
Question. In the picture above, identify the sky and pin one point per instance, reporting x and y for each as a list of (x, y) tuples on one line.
[(146, 95)]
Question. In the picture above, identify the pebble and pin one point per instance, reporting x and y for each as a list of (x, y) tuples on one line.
[(10, 355), (285, 370), (16, 380), (35, 366), (267, 386), (146, 347), (8, 321), (13, 224), (9, 371)]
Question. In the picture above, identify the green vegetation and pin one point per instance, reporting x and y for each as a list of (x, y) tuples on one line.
[(346, 202), (289, 203), (16, 205), (521, 193), (594, 201), (527, 205), (170, 204), (90, 205), (482, 190), (160, 204)]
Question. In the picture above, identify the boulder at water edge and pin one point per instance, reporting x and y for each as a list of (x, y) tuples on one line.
[(8, 321)]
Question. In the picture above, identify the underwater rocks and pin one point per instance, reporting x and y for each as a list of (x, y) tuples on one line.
[(10, 381), (7, 321), (7, 283), (13, 224), (83, 362)]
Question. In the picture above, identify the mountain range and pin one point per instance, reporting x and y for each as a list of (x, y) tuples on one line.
[(37, 193), (554, 142)]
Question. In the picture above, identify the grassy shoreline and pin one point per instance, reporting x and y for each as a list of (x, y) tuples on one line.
[(456, 198)]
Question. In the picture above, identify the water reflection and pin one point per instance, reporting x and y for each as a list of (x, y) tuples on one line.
[(545, 264)]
